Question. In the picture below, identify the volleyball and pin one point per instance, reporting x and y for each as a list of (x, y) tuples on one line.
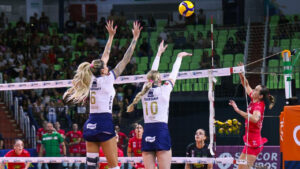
[(186, 8)]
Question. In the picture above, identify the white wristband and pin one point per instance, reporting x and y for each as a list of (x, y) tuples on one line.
[(175, 70)]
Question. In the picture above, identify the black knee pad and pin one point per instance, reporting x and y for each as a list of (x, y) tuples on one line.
[(92, 163)]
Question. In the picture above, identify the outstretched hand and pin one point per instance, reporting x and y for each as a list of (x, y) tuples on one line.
[(162, 47), (183, 54), (110, 28), (234, 106), (136, 29)]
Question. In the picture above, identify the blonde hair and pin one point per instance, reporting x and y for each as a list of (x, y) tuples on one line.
[(81, 81), (153, 78)]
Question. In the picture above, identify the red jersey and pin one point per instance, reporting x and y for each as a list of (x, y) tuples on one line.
[(254, 135), (74, 136), (39, 134), (12, 153), (104, 165), (132, 133), (136, 147), (61, 131), (122, 138), (82, 148)]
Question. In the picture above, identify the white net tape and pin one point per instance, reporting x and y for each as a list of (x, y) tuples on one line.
[(124, 79), (178, 160)]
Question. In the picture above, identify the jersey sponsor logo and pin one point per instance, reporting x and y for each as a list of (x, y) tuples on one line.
[(150, 139), (133, 145), (95, 85), (91, 126), (150, 94)]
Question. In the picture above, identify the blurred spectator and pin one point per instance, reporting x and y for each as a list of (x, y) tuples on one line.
[(190, 44), (151, 21), (20, 78), (91, 40), (144, 48), (112, 16), (122, 20), (141, 21), (239, 46), (18, 151), (50, 143), (74, 139), (180, 41), (51, 112), (71, 25), (3, 21), (201, 17), (62, 113), (122, 138), (296, 24), (43, 22), (132, 132), (200, 40), (1, 142), (38, 110), (216, 59), (229, 47), (205, 63)]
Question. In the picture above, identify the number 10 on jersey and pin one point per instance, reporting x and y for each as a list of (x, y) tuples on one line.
[(153, 108)]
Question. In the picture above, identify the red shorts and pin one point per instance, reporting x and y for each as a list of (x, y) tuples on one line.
[(74, 149), (253, 150)]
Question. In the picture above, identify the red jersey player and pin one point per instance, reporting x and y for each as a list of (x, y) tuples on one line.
[(18, 151), (122, 138), (40, 133), (74, 144), (255, 113), (135, 145)]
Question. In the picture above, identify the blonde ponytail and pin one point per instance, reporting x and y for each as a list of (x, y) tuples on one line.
[(153, 76), (81, 84), (140, 95)]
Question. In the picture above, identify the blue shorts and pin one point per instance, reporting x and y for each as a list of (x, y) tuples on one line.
[(156, 137), (99, 127)]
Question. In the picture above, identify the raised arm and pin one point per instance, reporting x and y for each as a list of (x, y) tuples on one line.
[(160, 50), (244, 82), (254, 118), (127, 56), (111, 31), (176, 66)]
